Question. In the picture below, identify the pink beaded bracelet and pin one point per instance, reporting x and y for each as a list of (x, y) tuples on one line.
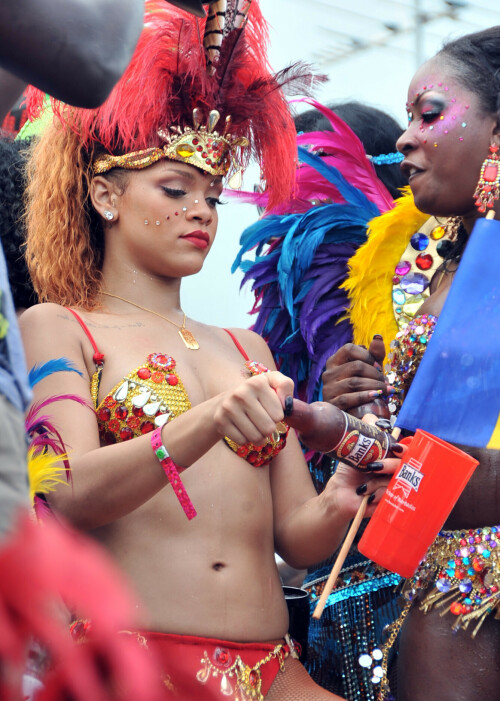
[(170, 469)]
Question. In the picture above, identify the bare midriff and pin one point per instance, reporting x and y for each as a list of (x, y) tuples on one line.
[(214, 576)]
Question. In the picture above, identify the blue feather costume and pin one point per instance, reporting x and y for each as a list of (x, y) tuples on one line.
[(300, 306)]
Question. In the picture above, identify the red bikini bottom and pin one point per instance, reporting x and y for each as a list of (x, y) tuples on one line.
[(205, 669)]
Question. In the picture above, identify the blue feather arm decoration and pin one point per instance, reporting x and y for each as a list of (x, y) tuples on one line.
[(43, 370), (301, 261)]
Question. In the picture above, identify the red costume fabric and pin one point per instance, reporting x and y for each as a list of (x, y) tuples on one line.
[(205, 669)]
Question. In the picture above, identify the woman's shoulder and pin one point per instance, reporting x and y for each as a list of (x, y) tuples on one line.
[(49, 322), (42, 314)]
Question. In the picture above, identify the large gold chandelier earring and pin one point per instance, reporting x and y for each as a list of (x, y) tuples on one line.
[(488, 187)]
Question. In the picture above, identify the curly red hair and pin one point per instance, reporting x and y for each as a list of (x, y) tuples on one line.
[(64, 245)]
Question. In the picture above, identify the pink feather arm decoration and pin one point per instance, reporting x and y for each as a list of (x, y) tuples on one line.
[(172, 72), (42, 432)]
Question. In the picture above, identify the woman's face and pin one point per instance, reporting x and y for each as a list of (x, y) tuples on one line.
[(447, 139), (167, 218)]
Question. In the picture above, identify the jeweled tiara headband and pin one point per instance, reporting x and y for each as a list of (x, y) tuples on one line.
[(200, 146)]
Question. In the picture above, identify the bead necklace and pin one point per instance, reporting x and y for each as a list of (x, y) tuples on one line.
[(188, 338)]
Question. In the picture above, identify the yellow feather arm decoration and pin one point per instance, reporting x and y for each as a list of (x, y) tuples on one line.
[(45, 471), (371, 270)]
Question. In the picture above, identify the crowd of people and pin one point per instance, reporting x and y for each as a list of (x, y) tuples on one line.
[(164, 453)]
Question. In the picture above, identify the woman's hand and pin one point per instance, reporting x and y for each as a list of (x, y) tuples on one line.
[(354, 376), (249, 412), (347, 487)]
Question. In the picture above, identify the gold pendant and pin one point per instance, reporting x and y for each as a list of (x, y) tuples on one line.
[(189, 340)]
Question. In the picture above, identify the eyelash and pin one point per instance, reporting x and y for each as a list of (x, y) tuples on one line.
[(430, 116), (215, 202), (173, 192)]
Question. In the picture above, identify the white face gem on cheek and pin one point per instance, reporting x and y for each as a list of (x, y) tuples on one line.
[(146, 222), (157, 223)]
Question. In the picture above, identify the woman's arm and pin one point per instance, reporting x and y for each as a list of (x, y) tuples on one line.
[(308, 528), (109, 482), (76, 50)]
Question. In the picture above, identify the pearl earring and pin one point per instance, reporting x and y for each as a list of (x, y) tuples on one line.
[(108, 215)]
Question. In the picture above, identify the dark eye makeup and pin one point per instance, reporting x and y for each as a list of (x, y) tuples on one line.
[(173, 191), (177, 193)]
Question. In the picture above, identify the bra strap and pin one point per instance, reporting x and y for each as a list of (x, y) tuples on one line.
[(98, 357), (237, 344)]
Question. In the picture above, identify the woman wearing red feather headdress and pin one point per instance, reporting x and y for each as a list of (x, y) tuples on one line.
[(122, 206)]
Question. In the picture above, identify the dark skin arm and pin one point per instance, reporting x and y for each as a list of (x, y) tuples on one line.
[(76, 50), (354, 377)]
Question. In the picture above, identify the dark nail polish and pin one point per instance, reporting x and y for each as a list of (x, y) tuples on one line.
[(288, 406), (361, 489), (371, 498), (384, 424), (397, 448), (378, 337), (375, 466)]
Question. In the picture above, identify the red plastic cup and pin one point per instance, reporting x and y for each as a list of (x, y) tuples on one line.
[(418, 500)]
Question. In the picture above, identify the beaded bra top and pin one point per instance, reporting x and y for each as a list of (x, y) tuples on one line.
[(153, 394)]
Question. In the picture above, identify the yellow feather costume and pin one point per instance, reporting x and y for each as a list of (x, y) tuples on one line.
[(369, 284), (45, 471)]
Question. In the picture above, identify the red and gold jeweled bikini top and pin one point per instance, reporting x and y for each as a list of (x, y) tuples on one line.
[(153, 394)]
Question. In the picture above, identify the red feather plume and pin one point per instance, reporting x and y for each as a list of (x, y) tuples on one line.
[(170, 75), (42, 566)]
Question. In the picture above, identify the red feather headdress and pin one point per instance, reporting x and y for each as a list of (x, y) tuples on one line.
[(215, 69)]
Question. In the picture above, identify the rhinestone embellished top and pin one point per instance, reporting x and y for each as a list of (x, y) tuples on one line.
[(152, 395)]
